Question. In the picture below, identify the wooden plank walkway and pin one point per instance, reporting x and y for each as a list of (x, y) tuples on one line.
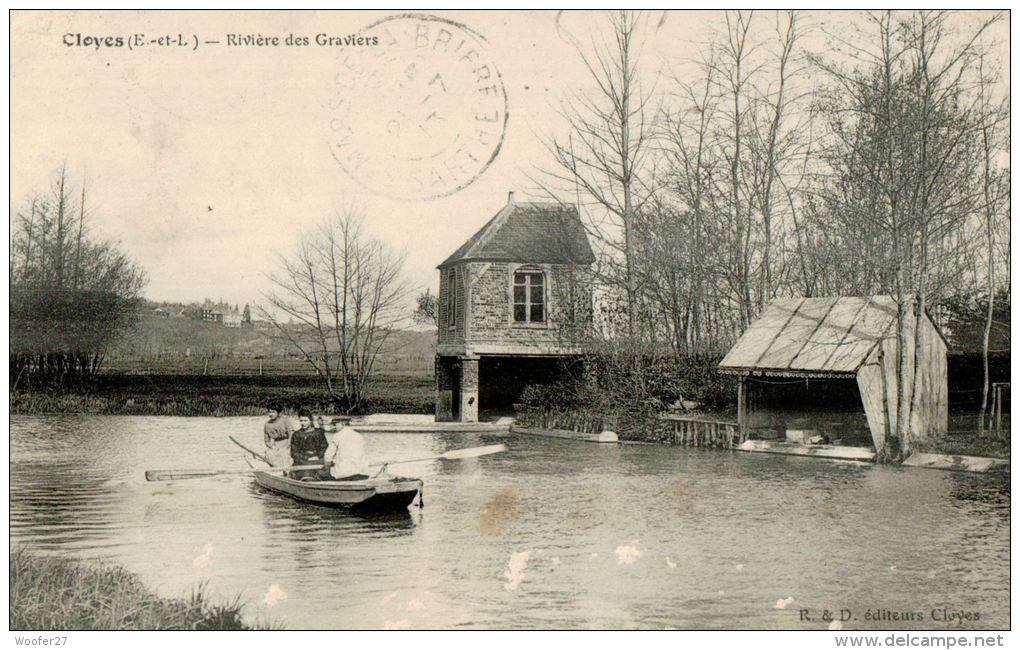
[(862, 454), (570, 435), (977, 464), (434, 427), (395, 423)]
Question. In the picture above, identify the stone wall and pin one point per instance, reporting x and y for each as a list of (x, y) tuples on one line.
[(568, 304), (469, 389), (447, 388)]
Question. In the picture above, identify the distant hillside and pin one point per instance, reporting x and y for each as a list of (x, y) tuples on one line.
[(158, 337)]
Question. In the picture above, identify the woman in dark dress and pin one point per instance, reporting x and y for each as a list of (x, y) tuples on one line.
[(307, 447)]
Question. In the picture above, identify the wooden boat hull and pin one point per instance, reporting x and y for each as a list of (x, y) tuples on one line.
[(371, 495)]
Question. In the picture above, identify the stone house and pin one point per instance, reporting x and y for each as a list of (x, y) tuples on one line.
[(515, 300)]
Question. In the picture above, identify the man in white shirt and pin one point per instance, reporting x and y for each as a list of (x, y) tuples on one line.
[(345, 457)]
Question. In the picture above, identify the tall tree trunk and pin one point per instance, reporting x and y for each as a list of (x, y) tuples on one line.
[(990, 236), (81, 228), (58, 252)]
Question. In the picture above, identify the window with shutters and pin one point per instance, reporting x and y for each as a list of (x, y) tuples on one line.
[(529, 297)]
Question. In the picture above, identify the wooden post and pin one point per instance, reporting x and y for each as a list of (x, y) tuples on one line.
[(260, 366), (998, 410), (991, 413), (741, 414)]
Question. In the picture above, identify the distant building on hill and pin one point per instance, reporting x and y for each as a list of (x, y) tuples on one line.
[(224, 314), (212, 315)]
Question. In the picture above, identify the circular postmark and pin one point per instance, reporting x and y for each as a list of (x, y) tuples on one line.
[(420, 114)]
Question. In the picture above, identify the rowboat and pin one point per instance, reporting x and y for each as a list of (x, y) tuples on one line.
[(370, 495)]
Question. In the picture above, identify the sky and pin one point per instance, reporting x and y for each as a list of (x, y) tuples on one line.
[(205, 164)]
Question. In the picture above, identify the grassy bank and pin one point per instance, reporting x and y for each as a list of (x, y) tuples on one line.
[(967, 443), (219, 395), (54, 594)]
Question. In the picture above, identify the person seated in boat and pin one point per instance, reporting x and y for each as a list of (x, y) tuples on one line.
[(345, 456), (277, 432), (307, 446)]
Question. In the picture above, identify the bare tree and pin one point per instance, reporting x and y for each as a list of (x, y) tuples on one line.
[(903, 160), (736, 49), (996, 196), (71, 293), (733, 154), (606, 150), (336, 301), (681, 278)]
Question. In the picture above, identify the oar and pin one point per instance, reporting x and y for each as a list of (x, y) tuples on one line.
[(470, 452), (180, 474), (250, 451)]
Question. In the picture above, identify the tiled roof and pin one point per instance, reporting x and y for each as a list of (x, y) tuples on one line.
[(824, 335), (541, 233)]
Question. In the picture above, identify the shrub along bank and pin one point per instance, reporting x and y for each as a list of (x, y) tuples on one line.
[(626, 394)]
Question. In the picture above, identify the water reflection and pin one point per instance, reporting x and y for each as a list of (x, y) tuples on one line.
[(294, 520), (979, 489), (64, 503)]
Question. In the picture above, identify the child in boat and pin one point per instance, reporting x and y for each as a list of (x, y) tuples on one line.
[(345, 456), (307, 446), (277, 432)]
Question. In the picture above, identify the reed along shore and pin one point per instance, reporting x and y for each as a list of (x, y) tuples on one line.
[(61, 594)]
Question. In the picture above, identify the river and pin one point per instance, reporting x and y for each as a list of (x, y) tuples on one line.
[(550, 534)]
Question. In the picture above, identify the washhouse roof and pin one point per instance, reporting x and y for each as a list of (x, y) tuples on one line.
[(831, 336)]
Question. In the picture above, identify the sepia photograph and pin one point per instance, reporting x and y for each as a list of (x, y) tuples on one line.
[(504, 320)]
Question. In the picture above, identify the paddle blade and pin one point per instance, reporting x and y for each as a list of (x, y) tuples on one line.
[(175, 475), (473, 452)]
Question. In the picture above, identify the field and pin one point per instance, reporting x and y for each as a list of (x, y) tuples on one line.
[(228, 366), (184, 346)]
